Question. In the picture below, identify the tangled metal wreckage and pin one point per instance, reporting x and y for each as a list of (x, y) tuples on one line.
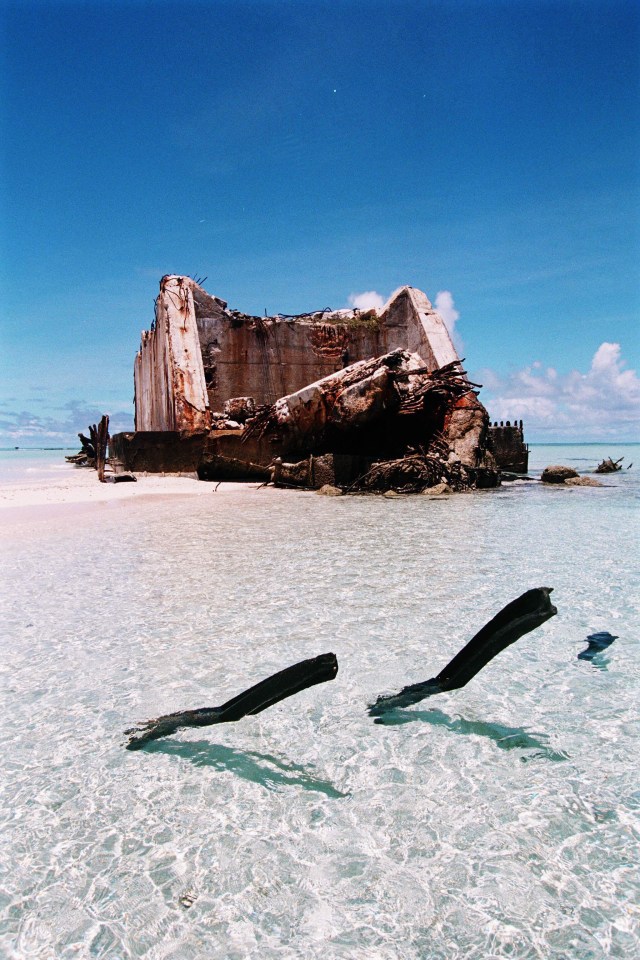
[(375, 400)]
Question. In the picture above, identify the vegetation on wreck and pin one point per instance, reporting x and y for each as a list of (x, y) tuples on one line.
[(366, 318)]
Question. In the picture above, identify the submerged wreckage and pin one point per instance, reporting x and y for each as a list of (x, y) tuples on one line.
[(372, 400)]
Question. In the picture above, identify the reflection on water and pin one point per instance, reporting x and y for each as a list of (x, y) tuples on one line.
[(266, 770)]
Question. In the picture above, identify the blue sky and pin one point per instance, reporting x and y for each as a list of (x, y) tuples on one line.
[(298, 154)]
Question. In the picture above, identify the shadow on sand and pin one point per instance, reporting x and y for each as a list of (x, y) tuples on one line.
[(264, 769), (596, 644), (506, 738)]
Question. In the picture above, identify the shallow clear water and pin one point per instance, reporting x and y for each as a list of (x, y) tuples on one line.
[(497, 821), (33, 466)]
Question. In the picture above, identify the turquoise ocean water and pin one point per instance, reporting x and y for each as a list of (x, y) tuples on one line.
[(501, 820)]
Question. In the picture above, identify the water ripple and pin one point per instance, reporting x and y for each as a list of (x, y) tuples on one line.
[(501, 821)]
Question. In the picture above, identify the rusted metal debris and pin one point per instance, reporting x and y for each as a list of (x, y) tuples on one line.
[(518, 618), (102, 440), (94, 448), (415, 472), (377, 425), (286, 683), (385, 423), (609, 465), (226, 394), (94, 453), (219, 467), (396, 383), (86, 456), (169, 377)]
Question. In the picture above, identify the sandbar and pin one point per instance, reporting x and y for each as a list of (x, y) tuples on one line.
[(78, 491)]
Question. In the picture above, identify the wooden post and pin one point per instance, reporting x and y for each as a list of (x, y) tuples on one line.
[(102, 439)]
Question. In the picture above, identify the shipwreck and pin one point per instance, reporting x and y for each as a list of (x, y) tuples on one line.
[(361, 400)]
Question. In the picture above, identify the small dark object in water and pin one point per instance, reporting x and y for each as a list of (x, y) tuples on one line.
[(254, 700), (121, 478), (597, 643), (610, 465), (517, 618)]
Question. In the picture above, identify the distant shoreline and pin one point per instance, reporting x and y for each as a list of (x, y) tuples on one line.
[(532, 443)]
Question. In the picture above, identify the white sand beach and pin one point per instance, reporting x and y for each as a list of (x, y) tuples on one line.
[(75, 491)]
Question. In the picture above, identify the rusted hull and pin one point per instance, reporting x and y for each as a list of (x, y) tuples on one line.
[(506, 443), (245, 396), (169, 380), (384, 423)]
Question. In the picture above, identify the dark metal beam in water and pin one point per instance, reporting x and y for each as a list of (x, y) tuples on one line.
[(597, 642), (520, 616), (265, 694)]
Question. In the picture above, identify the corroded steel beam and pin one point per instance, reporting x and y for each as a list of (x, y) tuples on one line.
[(170, 388)]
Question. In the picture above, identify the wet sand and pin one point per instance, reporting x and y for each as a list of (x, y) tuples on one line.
[(77, 492)]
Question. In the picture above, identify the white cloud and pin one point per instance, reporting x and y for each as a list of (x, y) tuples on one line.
[(369, 300), (602, 403), (62, 426), (445, 306), (606, 358)]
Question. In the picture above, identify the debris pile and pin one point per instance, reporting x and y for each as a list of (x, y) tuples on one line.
[(610, 466), (94, 454), (396, 384), (359, 401), (94, 448), (378, 425), (415, 472)]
